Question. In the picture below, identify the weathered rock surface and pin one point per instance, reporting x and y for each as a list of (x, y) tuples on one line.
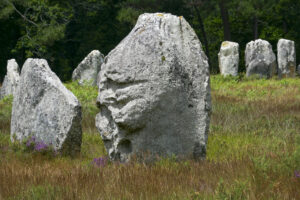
[(286, 56), (45, 109), (11, 79), (260, 59), (229, 58), (154, 92), (87, 70)]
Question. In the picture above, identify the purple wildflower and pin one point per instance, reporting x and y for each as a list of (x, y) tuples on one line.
[(30, 141), (40, 146), (99, 162), (297, 174)]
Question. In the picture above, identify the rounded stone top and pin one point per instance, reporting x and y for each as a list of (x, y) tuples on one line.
[(95, 52), (258, 42), (160, 19), (285, 42), (228, 44), (12, 66)]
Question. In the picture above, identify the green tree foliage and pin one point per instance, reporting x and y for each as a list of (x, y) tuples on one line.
[(41, 23), (64, 32)]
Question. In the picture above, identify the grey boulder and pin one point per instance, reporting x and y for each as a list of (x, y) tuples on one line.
[(260, 59), (11, 79), (154, 92), (229, 58), (45, 109), (286, 56), (87, 70)]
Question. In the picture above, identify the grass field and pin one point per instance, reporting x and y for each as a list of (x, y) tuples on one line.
[(253, 152)]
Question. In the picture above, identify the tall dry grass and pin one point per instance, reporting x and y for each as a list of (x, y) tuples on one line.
[(253, 152)]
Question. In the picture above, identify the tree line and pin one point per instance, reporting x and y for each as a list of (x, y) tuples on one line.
[(64, 32)]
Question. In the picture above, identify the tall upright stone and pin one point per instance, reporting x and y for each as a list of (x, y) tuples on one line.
[(229, 58), (286, 56), (11, 79), (154, 92), (87, 70), (260, 59), (45, 109)]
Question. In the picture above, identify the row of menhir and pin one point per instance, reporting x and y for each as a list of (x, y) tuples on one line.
[(154, 96), (260, 59)]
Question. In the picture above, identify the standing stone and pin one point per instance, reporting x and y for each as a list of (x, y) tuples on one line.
[(229, 58), (11, 79), (87, 70), (286, 56), (45, 109), (154, 92), (298, 70), (260, 59)]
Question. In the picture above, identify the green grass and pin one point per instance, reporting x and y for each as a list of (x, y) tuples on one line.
[(5, 114), (253, 151), (87, 96)]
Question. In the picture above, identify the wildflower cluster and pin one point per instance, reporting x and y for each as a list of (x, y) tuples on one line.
[(40, 146), (32, 144), (36, 145), (99, 162)]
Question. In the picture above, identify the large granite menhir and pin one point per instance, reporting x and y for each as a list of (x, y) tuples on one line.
[(260, 59), (286, 56), (154, 92), (87, 71), (45, 109), (229, 58), (11, 79)]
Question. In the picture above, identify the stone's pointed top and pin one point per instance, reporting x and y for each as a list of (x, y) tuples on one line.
[(87, 71), (45, 109), (154, 92)]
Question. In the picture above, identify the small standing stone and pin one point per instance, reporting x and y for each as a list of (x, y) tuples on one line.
[(11, 79), (286, 56), (45, 109), (229, 58), (87, 70), (260, 59)]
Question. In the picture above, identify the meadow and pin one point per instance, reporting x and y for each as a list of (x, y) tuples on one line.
[(253, 152)]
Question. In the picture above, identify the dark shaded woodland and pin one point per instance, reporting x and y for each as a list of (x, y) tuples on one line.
[(64, 32)]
